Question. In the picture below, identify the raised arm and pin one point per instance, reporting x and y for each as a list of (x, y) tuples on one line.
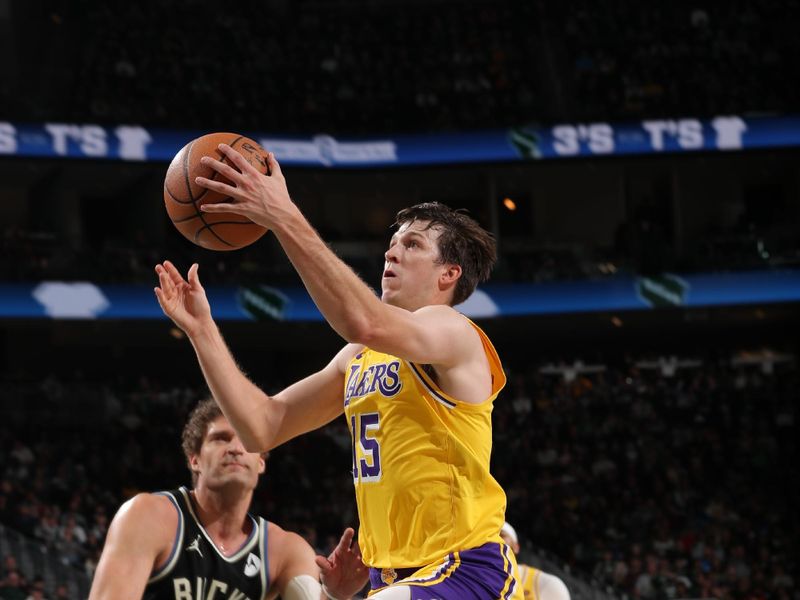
[(434, 335), (261, 421), (139, 539)]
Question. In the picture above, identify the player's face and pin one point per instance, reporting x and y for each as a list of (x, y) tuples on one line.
[(223, 460), (411, 273)]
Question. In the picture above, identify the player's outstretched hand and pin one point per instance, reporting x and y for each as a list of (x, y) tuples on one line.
[(343, 573), (182, 301), (264, 199)]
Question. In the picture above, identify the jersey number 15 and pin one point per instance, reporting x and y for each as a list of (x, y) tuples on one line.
[(363, 430)]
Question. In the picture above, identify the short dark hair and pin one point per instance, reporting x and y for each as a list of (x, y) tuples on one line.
[(462, 242), (196, 428)]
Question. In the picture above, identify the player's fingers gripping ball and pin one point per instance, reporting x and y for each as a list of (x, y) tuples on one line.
[(183, 197)]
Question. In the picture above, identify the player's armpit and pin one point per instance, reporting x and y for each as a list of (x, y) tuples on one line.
[(141, 533)]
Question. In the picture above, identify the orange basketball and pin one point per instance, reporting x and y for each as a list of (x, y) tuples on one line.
[(183, 197)]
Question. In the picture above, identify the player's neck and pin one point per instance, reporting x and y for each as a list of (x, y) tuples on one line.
[(414, 305), (223, 514)]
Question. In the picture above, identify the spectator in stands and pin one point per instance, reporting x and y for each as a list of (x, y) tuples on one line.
[(12, 587), (36, 590), (70, 549), (61, 593), (9, 564)]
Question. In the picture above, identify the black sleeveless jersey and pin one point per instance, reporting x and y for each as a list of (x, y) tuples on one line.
[(197, 570)]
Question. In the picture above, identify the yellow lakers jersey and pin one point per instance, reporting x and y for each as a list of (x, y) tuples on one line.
[(528, 579), (420, 462)]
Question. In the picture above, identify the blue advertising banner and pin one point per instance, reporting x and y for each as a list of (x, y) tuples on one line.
[(535, 142), (84, 300)]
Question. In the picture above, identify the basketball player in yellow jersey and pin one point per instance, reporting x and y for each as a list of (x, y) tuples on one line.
[(416, 382), (536, 584)]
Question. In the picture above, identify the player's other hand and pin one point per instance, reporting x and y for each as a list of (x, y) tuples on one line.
[(343, 573), (182, 300), (264, 199)]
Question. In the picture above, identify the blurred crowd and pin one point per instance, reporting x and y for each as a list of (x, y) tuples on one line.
[(632, 60), (661, 480), (654, 479), (357, 66), (641, 249)]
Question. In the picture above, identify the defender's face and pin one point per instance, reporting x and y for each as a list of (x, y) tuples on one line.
[(411, 272), (223, 461)]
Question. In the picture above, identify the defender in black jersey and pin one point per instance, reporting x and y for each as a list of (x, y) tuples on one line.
[(202, 543), (197, 568)]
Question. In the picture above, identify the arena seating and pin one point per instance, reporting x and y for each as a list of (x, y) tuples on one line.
[(365, 67)]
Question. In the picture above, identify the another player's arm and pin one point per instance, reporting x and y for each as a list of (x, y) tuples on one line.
[(343, 573), (297, 572), (139, 538)]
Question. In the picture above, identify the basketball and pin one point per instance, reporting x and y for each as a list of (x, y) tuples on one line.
[(183, 197)]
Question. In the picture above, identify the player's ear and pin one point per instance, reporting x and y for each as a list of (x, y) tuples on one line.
[(450, 275), (194, 464), (262, 463)]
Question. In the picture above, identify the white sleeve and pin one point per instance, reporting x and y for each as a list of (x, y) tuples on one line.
[(552, 588), (302, 587)]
